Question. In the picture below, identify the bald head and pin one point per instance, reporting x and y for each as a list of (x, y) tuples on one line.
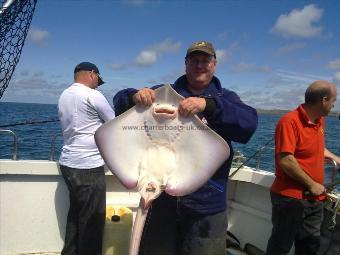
[(87, 78), (319, 90)]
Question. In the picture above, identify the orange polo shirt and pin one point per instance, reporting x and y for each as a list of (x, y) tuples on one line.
[(296, 135)]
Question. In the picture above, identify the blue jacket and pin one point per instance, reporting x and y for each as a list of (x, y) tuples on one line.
[(229, 117)]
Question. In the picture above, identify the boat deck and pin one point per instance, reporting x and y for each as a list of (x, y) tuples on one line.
[(229, 252)]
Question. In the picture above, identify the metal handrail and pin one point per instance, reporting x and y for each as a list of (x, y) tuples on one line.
[(246, 160), (238, 158), (335, 169), (259, 155), (52, 151), (5, 6), (15, 142)]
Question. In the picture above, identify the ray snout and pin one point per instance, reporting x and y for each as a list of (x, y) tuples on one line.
[(164, 111)]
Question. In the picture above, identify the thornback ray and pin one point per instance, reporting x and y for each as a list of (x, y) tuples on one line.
[(154, 149)]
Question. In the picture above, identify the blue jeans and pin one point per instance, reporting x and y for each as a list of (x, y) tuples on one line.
[(86, 216), (296, 222), (171, 229)]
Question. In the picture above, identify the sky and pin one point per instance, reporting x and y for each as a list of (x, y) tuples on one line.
[(268, 52)]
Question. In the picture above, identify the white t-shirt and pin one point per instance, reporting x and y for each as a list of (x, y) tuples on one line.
[(81, 111)]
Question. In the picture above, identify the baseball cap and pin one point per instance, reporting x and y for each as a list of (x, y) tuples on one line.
[(202, 46), (87, 66)]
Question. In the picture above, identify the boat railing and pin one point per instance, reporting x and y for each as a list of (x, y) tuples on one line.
[(335, 170), (15, 144), (52, 151), (15, 141), (260, 153), (239, 160)]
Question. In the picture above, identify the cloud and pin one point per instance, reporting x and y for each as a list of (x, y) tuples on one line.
[(223, 55), (276, 80), (38, 74), (283, 90), (150, 55), (282, 98), (38, 36), (248, 67), (167, 46), (27, 85), (288, 98), (171, 77), (290, 87), (285, 97), (299, 23), (242, 67), (263, 69), (336, 78), (116, 66), (32, 83), (334, 64), (146, 58), (299, 77), (24, 73), (290, 48)]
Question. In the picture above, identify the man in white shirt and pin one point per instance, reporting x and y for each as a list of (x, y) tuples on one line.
[(82, 109)]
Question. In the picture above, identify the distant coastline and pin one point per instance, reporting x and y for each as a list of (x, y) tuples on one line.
[(272, 111), (281, 112)]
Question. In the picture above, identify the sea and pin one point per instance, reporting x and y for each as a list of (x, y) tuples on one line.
[(36, 127)]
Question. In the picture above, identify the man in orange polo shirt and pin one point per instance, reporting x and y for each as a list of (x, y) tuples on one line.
[(297, 191)]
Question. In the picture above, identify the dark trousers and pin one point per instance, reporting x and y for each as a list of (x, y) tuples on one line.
[(172, 230), (296, 222), (86, 216)]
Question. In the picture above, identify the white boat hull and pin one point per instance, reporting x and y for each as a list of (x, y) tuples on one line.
[(34, 205)]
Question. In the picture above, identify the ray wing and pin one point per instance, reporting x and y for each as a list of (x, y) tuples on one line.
[(121, 143), (200, 152)]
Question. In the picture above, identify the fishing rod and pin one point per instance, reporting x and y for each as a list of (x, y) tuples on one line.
[(30, 122), (251, 157)]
